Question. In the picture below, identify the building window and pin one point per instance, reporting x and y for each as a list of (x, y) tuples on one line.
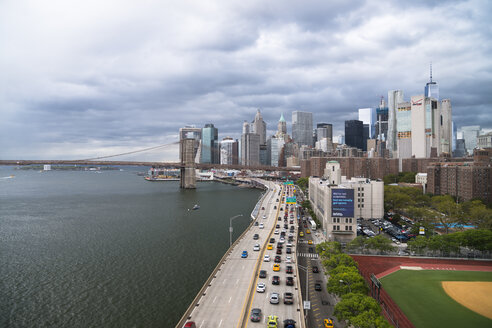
[(358, 205), (350, 220), (362, 206), (350, 228)]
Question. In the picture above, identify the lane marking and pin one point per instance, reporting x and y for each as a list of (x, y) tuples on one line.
[(215, 298), (230, 298), (220, 323)]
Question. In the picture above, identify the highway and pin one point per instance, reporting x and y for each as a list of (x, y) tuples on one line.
[(231, 291)]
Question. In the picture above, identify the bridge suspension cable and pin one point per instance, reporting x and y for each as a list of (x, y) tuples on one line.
[(132, 152)]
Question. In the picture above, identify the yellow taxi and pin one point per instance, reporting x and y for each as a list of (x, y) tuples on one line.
[(276, 267), (328, 323), (301, 234), (270, 246), (310, 242), (308, 231)]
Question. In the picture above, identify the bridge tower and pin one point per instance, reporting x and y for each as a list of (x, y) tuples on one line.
[(189, 144)]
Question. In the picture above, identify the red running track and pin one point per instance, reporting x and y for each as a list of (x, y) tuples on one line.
[(382, 266)]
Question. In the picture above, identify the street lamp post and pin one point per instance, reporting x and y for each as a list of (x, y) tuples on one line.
[(346, 283), (230, 228)]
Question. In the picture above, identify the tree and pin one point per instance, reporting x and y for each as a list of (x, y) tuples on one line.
[(338, 259), (380, 243), (328, 248), (479, 239), (390, 178), (346, 281), (369, 319), (448, 210), (303, 183), (481, 216), (353, 304), (358, 243), (343, 269), (408, 177), (395, 199), (418, 244)]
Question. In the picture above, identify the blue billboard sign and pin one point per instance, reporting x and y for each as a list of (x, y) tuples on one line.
[(342, 203)]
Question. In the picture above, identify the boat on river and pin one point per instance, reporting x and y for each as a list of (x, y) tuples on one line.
[(196, 207)]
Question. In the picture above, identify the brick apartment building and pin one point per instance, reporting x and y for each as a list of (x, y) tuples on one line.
[(464, 180)]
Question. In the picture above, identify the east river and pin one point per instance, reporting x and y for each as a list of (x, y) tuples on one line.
[(109, 249)]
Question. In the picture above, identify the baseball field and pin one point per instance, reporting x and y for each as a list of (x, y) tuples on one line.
[(441, 298)]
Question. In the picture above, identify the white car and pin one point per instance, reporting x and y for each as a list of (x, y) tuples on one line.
[(256, 247), (274, 298), (281, 240), (260, 288), (264, 216), (288, 259), (276, 232), (266, 258), (261, 226), (289, 245)]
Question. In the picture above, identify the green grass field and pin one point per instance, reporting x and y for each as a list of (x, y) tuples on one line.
[(421, 297)]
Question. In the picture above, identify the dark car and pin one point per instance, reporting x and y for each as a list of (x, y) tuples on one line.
[(279, 245), (277, 259), (289, 323), (310, 250), (262, 274), (288, 298), (288, 250), (289, 281), (275, 280), (317, 286), (255, 315), (190, 324), (286, 226), (256, 223), (289, 269), (256, 236), (277, 226), (279, 251), (272, 240), (315, 269)]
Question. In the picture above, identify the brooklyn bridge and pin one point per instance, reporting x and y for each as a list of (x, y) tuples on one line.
[(188, 154)]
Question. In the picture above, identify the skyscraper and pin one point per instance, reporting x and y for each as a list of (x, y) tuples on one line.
[(354, 133), (368, 117), (324, 130), (426, 115), (210, 145), (250, 146), (302, 128), (431, 88), (446, 127), (282, 126), (404, 129), (394, 97), (259, 127), (470, 134), (229, 153)]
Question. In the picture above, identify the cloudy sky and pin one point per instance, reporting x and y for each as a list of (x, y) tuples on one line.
[(81, 79)]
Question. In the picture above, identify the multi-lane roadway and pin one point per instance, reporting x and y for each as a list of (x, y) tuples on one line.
[(230, 292)]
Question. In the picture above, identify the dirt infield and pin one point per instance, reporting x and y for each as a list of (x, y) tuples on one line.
[(475, 295)]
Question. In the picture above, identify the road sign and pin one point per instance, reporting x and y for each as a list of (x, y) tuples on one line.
[(307, 305)]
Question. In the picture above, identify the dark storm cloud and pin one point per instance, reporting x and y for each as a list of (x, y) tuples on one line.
[(98, 80)]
